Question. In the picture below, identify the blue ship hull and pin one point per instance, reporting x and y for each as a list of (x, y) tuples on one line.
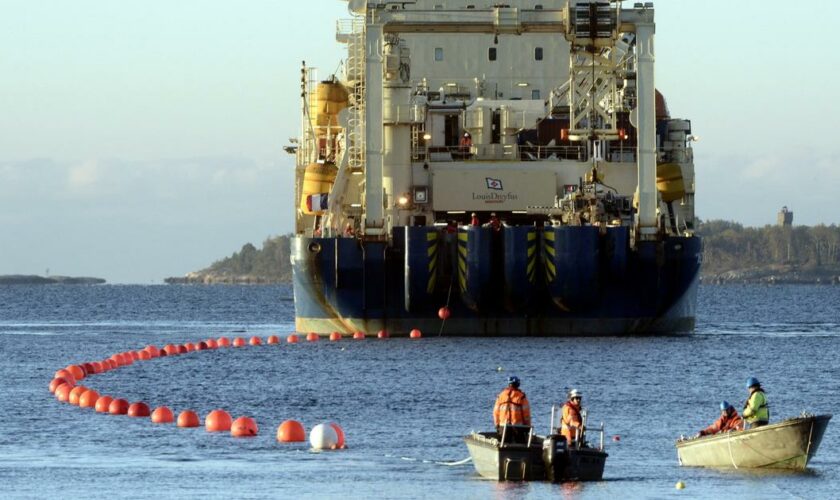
[(520, 281)]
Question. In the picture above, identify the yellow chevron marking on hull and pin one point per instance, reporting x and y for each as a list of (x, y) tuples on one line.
[(463, 236)]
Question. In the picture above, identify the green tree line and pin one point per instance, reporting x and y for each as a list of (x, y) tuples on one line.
[(269, 263), (731, 246)]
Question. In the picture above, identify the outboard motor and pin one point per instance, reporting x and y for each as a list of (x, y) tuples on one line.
[(554, 456)]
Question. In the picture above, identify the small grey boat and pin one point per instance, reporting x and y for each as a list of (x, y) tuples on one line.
[(540, 459), (788, 444)]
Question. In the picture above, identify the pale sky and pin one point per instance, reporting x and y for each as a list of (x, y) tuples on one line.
[(140, 140)]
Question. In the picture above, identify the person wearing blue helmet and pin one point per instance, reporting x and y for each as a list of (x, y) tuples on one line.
[(756, 410), (512, 412), (729, 420)]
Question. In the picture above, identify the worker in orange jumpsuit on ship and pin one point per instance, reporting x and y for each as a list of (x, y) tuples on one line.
[(729, 420), (571, 426), (512, 412)]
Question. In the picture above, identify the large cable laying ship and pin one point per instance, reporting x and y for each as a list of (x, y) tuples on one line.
[(512, 163)]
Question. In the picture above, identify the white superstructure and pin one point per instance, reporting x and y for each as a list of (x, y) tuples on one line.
[(539, 111)]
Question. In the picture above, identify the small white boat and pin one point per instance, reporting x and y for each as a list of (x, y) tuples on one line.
[(788, 444)]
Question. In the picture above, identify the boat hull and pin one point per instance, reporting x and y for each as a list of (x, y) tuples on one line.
[(785, 445), (544, 459), (344, 285)]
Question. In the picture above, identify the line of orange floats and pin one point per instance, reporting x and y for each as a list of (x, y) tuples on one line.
[(65, 387)]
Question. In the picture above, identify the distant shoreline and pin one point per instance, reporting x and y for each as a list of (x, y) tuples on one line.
[(32, 279)]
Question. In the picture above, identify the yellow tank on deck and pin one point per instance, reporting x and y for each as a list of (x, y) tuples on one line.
[(318, 178), (330, 98), (669, 182)]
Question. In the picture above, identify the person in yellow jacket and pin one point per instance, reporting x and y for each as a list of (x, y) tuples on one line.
[(756, 410), (512, 412)]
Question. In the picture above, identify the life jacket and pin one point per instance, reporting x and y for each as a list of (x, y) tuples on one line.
[(724, 423), (512, 408), (759, 414), (571, 421)]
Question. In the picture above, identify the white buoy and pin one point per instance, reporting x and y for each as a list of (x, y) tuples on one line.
[(323, 437)]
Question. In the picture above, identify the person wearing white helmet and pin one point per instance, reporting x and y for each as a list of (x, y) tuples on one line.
[(571, 426)]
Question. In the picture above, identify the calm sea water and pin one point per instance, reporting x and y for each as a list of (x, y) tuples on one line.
[(403, 404)]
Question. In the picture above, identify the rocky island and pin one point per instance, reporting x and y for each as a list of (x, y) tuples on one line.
[(31, 279)]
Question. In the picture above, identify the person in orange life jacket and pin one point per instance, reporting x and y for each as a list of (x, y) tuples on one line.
[(513, 411), (729, 420), (474, 220), (571, 424), (465, 143)]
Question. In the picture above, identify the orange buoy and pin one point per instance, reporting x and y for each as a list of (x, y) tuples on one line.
[(243, 427), (144, 355), (382, 334), (103, 403), (118, 359), (359, 336), (273, 339), (292, 339), (616, 438), (162, 415), (340, 433), (201, 346), (129, 359), (57, 382), (223, 342), (152, 350), (415, 334), (255, 340), (88, 399), (62, 392), (118, 407), (335, 336), (217, 421), (239, 342), (211, 344), (77, 371), (443, 313), (291, 431), (138, 409), (190, 347), (188, 418), (170, 349), (66, 375), (110, 363), (88, 368), (75, 394), (97, 367), (135, 355), (163, 353), (182, 349), (312, 336)]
